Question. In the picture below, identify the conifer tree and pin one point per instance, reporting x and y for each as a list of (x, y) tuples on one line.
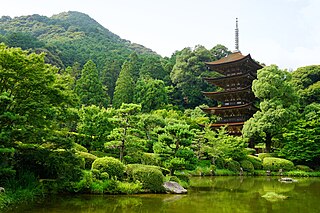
[(125, 86), (89, 87)]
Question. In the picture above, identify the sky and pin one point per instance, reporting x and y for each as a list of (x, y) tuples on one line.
[(281, 32)]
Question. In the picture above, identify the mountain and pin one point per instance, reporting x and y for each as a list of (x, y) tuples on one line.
[(67, 38)]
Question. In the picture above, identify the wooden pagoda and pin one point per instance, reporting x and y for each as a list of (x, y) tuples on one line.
[(236, 99)]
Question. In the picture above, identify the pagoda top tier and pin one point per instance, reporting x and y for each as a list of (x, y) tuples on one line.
[(233, 60)]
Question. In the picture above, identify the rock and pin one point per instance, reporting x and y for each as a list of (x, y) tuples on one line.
[(174, 188), (287, 180)]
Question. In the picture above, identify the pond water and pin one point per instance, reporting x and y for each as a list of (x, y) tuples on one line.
[(206, 194)]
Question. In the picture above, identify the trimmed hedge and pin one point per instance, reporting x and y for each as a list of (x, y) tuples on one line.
[(110, 165), (264, 155), (256, 162), (89, 158), (150, 177), (303, 168), (80, 148), (232, 165), (274, 164), (247, 166)]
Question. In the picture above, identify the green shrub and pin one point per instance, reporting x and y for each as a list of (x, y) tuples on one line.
[(151, 159), (129, 188), (110, 165), (232, 165), (247, 166), (184, 177), (264, 155), (274, 164), (256, 162), (297, 173), (204, 163), (89, 159), (304, 168), (150, 176), (219, 163), (173, 178)]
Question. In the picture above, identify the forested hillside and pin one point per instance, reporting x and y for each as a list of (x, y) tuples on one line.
[(68, 37)]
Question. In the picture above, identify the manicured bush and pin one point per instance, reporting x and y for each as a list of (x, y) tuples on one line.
[(247, 166), (224, 172), (151, 159), (274, 164), (256, 162), (110, 165), (219, 163), (89, 158), (264, 155), (204, 163), (150, 176), (303, 168), (232, 165)]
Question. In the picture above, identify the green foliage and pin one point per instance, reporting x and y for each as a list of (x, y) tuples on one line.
[(125, 85), (89, 87), (94, 126), (274, 164), (112, 166), (225, 172), (150, 177), (89, 159), (221, 145), (129, 188), (301, 140), (247, 166), (303, 168), (256, 162), (151, 94), (232, 165), (150, 159), (264, 155), (279, 104), (187, 75)]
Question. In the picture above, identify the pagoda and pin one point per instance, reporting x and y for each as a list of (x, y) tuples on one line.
[(236, 99)]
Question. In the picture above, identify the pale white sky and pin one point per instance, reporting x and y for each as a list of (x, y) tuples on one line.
[(282, 32)]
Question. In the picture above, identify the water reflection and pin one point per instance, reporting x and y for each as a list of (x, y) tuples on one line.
[(206, 194)]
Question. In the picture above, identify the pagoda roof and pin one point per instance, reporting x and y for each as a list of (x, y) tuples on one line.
[(222, 109), (245, 89), (220, 81), (233, 58)]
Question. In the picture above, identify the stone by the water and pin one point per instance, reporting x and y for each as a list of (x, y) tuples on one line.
[(174, 188)]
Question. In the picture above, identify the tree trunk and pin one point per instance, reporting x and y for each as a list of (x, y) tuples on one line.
[(268, 142)]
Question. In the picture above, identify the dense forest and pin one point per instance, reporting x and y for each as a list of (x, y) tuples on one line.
[(84, 111)]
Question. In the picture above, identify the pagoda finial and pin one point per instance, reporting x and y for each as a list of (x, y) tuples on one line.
[(237, 37)]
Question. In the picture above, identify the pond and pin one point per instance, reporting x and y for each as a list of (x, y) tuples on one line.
[(207, 194)]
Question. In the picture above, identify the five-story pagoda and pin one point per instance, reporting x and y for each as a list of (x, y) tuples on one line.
[(236, 99)]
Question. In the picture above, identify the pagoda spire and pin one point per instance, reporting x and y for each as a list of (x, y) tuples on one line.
[(237, 37)]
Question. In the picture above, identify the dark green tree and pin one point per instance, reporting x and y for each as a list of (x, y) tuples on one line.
[(219, 51), (89, 87), (110, 74), (151, 94), (187, 75), (125, 86)]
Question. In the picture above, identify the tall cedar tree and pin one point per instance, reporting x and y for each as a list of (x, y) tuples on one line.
[(89, 87), (125, 86)]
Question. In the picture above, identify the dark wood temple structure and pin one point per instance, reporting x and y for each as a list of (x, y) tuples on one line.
[(236, 99)]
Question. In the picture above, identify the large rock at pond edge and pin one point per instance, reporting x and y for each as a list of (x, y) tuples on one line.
[(174, 188)]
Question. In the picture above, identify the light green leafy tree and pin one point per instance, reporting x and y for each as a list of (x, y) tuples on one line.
[(94, 127), (278, 106)]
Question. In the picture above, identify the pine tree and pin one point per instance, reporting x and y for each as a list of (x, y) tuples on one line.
[(89, 87)]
